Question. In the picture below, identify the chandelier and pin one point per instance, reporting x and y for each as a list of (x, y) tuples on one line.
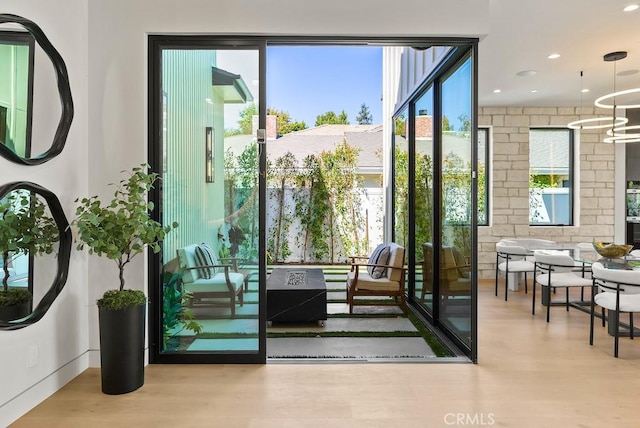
[(617, 128)]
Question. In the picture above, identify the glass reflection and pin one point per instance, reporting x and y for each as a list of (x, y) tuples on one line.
[(29, 240), (456, 202), (401, 180), (16, 89), (423, 189), (210, 187)]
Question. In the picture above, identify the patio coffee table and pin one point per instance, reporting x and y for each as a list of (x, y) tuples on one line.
[(296, 295)]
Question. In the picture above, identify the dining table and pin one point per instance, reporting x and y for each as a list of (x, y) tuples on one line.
[(586, 257)]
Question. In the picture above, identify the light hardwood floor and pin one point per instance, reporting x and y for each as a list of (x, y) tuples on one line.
[(530, 374)]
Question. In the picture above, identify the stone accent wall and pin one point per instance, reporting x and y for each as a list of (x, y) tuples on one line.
[(594, 173)]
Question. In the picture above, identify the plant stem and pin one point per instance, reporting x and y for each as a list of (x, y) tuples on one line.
[(5, 267)]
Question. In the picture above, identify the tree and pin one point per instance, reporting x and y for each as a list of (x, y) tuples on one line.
[(330, 118), (245, 123), (364, 116), (446, 126), (284, 123)]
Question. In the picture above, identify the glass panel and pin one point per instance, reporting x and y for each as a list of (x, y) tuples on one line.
[(455, 194), (550, 185), (401, 180), (423, 188), (483, 177), (210, 187), (15, 61)]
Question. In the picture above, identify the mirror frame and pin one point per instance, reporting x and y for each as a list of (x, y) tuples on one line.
[(64, 252), (64, 88)]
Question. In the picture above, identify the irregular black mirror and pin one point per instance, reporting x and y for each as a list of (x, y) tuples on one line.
[(44, 275), (11, 146)]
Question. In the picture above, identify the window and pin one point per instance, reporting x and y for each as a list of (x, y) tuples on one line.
[(483, 176), (550, 177)]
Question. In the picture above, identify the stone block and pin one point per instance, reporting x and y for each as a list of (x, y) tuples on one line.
[(497, 120), (516, 120), (532, 111), (492, 110), (539, 120)]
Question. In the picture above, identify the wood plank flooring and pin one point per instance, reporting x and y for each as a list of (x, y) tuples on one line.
[(530, 374)]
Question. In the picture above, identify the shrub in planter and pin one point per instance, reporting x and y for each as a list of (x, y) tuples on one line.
[(119, 230)]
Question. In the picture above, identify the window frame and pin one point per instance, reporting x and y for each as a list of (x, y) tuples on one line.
[(571, 174)]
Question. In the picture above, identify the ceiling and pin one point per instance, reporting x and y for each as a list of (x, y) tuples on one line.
[(523, 33)]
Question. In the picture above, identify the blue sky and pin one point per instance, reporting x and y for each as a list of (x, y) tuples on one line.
[(306, 81)]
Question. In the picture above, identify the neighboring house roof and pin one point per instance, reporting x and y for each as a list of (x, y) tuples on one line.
[(324, 138)]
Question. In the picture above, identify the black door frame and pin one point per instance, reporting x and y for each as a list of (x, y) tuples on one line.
[(155, 45)]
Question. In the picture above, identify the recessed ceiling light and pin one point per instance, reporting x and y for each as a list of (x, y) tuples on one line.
[(585, 90), (526, 73), (534, 90), (554, 56), (631, 8), (497, 91)]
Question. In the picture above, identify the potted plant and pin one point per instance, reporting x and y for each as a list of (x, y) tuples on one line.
[(26, 228), (120, 230)]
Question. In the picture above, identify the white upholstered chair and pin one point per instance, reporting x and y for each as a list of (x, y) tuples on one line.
[(512, 258), (615, 290), (557, 271), (212, 283)]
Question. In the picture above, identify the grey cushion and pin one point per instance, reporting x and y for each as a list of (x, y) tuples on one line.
[(205, 257), (380, 256)]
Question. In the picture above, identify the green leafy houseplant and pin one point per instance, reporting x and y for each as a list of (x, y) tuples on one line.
[(26, 228), (175, 317), (120, 230)]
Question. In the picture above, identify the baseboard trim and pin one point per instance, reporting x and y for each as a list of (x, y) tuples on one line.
[(18, 406)]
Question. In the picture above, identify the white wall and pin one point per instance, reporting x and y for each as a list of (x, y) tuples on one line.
[(118, 62), (60, 339), (106, 53)]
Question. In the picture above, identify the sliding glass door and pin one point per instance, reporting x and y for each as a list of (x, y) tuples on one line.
[(435, 187), (207, 111)]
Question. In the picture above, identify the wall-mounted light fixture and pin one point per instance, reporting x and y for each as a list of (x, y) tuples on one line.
[(208, 155)]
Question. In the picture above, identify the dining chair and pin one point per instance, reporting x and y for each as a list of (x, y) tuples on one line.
[(557, 271), (616, 290), (511, 258)]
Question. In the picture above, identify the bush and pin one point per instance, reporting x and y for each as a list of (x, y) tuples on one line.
[(121, 299), (14, 296)]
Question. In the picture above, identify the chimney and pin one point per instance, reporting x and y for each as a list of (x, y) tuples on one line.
[(272, 126), (424, 125)]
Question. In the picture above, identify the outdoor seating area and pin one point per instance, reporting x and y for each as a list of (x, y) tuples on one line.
[(210, 282), (309, 317)]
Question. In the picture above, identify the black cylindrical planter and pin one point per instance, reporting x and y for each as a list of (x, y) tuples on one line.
[(14, 312), (122, 349)]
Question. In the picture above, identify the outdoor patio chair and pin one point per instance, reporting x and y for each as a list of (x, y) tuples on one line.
[(455, 272), (383, 275), (558, 271), (616, 290), (206, 279)]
